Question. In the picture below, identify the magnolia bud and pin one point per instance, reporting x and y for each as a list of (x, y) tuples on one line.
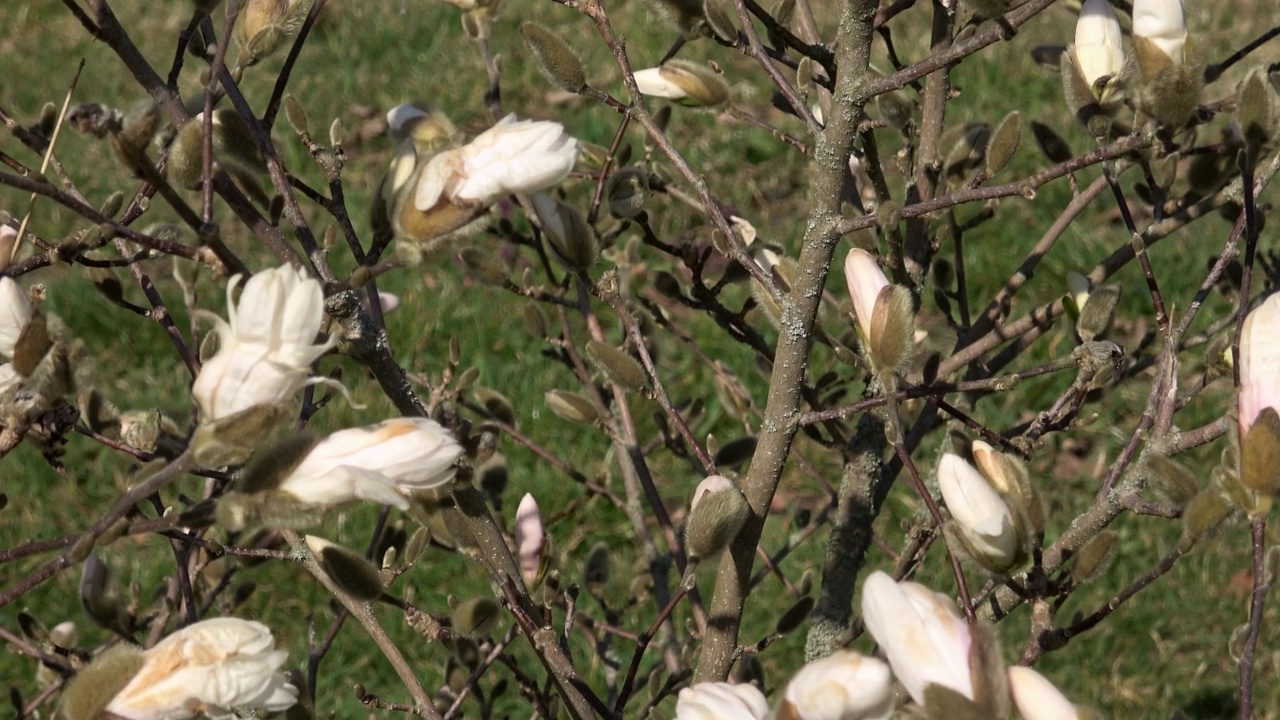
[(619, 366), (717, 513), (1096, 556), (687, 83), (555, 58), (477, 617), (571, 238), (348, 570), (572, 407), (627, 191), (88, 693), (529, 540)]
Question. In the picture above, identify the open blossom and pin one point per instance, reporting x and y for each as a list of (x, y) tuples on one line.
[(382, 463), (981, 514), (1259, 362), (514, 156), (1036, 698), (922, 634), (1098, 51), (842, 686), (15, 313), (267, 348), (1163, 23), (215, 664), (721, 701)]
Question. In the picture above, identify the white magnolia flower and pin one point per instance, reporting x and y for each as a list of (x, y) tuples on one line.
[(721, 701), (514, 156), (1098, 49), (15, 313), (1036, 698), (382, 463), (866, 281), (1259, 362), (267, 348), (529, 538), (921, 633), (842, 686), (1163, 23), (981, 514), (215, 664)]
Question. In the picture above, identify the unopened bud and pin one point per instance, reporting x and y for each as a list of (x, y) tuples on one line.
[(718, 512), (1096, 556), (1004, 142), (627, 191), (529, 540), (571, 238), (572, 407), (1206, 512), (1260, 455), (555, 58), (477, 617), (348, 570), (618, 366), (89, 692)]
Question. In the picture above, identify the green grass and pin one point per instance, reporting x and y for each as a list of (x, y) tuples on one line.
[(1167, 648)]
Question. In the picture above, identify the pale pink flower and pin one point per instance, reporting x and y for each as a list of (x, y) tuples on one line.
[(1259, 362), (865, 280), (529, 538)]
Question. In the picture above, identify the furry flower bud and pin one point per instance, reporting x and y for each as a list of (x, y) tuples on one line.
[(921, 632), (1162, 24), (716, 514), (883, 312)]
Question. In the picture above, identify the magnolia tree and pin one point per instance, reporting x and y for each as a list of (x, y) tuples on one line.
[(880, 382)]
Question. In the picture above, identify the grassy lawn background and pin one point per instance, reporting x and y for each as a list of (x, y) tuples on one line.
[(1166, 649)]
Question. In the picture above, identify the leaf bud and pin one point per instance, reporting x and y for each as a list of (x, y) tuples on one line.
[(572, 407), (571, 238), (717, 513), (1206, 512), (496, 404), (794, 616), (618, 366), (477, 617), (1095, 557), (1051, 143), (295, 114), (558, 62), (1097, 312), (626, 191), (1004, 142), (348, 570), (598, 568)]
